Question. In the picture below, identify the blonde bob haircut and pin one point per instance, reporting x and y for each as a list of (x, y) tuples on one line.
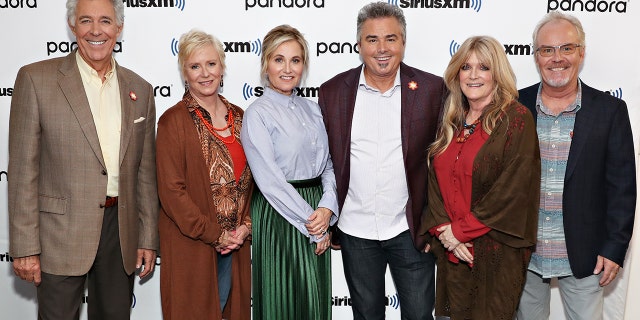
[(491, 54), (274, 38), (195, 40)]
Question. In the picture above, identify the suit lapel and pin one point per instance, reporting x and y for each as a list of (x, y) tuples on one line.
[(128, 110), (408, 102), (348, 99), (528, 98), (584, 120), (70, 83)]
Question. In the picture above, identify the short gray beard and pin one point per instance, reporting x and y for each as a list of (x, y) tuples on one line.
[(557, 83)]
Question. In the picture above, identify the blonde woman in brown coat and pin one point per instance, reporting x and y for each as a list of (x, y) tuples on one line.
[(204, 186)]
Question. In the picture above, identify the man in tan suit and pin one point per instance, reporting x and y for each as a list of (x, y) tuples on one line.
[(82, 199)]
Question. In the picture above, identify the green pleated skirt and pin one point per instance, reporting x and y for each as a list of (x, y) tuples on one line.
[(289, 280)]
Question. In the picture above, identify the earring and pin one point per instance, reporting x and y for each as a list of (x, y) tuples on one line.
[(186, 85), (221, 82)]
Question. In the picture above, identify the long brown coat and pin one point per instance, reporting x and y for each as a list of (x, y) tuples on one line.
[(505, 197), (188, 226)]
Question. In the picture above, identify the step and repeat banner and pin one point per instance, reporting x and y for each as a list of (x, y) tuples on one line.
[(33, 30)]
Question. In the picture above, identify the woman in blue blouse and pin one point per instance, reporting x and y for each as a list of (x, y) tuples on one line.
[(287, 149)]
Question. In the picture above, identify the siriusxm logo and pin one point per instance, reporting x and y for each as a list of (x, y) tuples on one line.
[(438, 4), (134, 300), (14, 4), (250, 4), (336, 48), (5, 257), (453, 47), (155, 4), (66, 47), (588, 5), (6, 92), (509, 49), (306, 92), (248, 91), (393, 301), (616, 93), (341, 301), (174, 47), (254, 46), (518, 49)]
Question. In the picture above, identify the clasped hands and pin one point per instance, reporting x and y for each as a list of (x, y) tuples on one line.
[(232, 240), (318, 225), (460, 250)]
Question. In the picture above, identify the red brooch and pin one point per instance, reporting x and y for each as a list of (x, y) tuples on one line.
[(413, 85), (133, 96)]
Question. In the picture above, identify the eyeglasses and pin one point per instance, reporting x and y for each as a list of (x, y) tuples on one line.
[(565, 49)]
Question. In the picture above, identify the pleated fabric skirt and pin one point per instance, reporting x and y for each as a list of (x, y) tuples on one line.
[(289, 280)]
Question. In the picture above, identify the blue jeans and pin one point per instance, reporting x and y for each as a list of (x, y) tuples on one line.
[(365, 263), (224, 278)]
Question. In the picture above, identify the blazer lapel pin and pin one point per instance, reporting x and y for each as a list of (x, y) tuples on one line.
[(413, 85), (133, 96)]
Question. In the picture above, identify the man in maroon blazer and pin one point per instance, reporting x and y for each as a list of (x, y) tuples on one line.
[(381, 117)]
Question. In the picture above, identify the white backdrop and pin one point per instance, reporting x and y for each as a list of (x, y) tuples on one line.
[(32, 30)]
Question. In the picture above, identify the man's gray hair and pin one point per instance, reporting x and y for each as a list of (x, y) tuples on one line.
[(118, 7), (381, 10), (554, 16)]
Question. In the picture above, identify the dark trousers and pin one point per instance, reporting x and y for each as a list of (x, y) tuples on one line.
[(110, 288), (365, 263)]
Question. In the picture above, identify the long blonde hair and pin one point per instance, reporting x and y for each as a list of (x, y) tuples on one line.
[(491, 54)]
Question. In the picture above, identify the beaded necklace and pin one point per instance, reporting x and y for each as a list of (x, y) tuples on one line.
[(471, 129), (230, 124)]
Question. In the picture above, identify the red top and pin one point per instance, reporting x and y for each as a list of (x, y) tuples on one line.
[(454, 169), (238, 157)]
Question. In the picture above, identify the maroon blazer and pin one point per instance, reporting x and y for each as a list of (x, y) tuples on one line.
[(421, 110)]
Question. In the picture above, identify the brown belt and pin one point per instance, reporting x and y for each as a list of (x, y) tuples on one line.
[(110, 202)]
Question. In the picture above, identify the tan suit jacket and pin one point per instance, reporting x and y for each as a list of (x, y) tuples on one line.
[(58, 178)]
